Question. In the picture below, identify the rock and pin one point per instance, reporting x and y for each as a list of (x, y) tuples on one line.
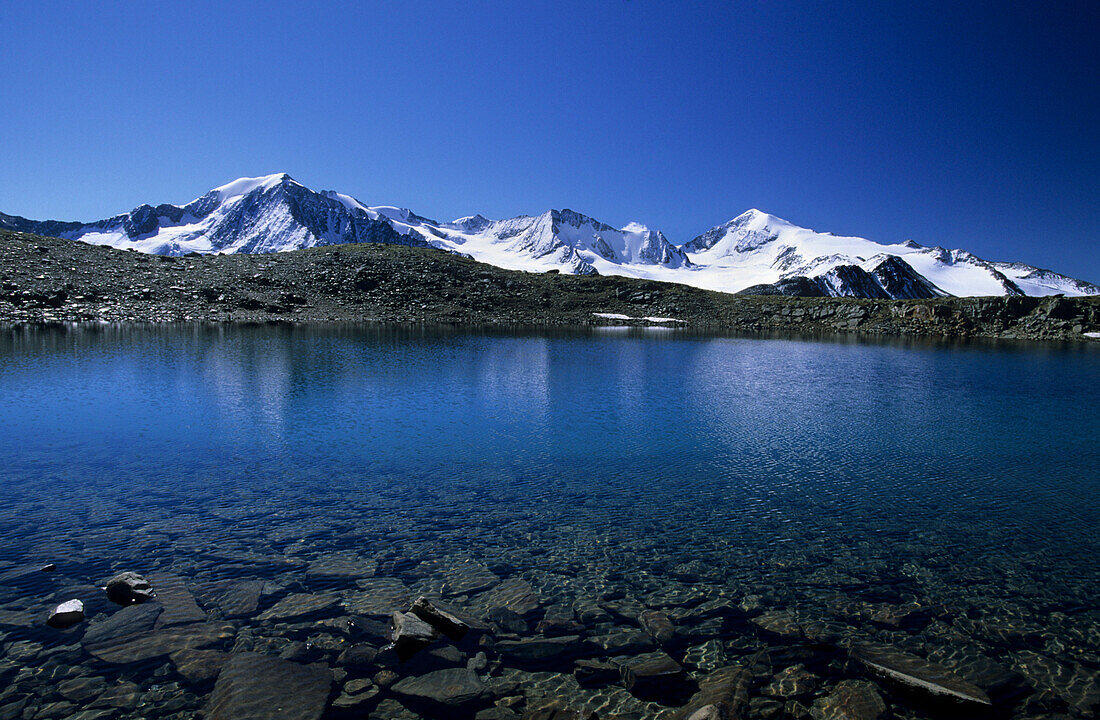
[(443, 621), (778, 624), (409, 635), (850, 700), (916, 674), (657, 624), (467, 577), (792, 682), (653, 675), (126, 622), (198, 666), (129, 588), (241, 599), (707, 712), (514, 594), (158, 643), (358, 655), (452, 687), (300, 605), (341, 565), (597, 673), (478, 663), (507, 620), (125, 696), (557, 709), (381, 597), (82, 689), (262, 687), (67, 614), (622, 642), (725, 689), (178, 602), (559, 619), (541, 651)]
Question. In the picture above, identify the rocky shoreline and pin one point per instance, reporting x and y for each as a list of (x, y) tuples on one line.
[(50, 280)]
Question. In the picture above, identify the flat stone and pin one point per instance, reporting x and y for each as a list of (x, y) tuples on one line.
[(914, 673), (198, 666), (850, 700), (467, 577), (125, 696), (380, 597), (342, 565), (264, 687), (300, 605), (452, 687), (240, 599), (178, 602), (622, 642), (539, 651), (158, 643), (515, 594), (650, 669), (128, 621), (82, 689), (778, 624)]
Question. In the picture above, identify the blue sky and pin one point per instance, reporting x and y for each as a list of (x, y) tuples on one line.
[(969, 125)]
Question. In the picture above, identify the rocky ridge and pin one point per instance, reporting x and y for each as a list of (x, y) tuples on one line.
[(51, 280)]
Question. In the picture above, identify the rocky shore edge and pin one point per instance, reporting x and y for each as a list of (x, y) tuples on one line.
[(50, 280)]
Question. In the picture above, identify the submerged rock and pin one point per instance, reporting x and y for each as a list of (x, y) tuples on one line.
[(299, 605), (66, 615), (263, 687), (916, 674), (129, 588), (723, 694), (850, 700), (452, 687)]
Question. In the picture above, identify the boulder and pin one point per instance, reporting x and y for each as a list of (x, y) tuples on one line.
[(66, 614), (723, 695), (443, 621), (409, 635), (129, 588), (657, 624)]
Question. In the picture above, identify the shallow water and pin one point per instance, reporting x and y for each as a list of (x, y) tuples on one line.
[(842, 483)]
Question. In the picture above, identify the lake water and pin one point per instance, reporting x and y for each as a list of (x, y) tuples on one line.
[(778, 500)]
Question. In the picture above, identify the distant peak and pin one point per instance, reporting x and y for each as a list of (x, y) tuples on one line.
[(245, 185)]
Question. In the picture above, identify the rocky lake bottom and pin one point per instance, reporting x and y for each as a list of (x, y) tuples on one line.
[(605, 524)]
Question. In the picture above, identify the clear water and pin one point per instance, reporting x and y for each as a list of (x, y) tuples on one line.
[(801, 476)]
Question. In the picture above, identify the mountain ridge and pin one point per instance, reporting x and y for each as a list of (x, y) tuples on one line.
[(754, 252)]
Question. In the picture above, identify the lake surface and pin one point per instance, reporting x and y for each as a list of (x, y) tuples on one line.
[(779, 501)]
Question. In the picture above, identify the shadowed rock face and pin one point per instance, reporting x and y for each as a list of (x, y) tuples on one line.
[(263, 687)]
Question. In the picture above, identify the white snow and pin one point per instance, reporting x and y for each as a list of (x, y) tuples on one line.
[(613, 316), (1092, 335)]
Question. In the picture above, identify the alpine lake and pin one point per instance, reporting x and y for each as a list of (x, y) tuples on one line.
[(613, 523)]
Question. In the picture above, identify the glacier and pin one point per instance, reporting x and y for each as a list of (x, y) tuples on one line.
[(755, 252)]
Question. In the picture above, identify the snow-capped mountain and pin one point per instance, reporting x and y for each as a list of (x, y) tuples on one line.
[(761, 249), (755, 252), (250, 215)]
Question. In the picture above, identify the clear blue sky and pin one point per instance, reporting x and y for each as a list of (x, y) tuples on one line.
[(973, 124)]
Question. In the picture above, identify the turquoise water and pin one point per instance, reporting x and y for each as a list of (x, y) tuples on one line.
[(801, 474)]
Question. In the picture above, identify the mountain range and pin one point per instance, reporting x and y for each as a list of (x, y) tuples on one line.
[(754, 253)]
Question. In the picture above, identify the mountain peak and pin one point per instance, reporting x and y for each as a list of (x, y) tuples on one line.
[(245, 185)]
